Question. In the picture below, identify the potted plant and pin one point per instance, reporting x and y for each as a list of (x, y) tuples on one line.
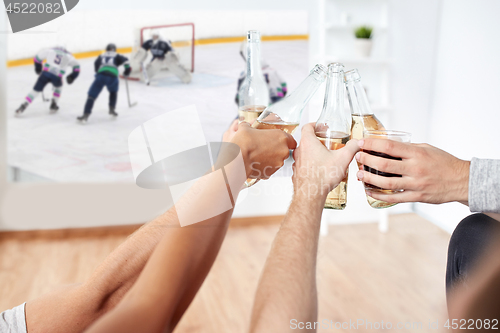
[(363, 44)]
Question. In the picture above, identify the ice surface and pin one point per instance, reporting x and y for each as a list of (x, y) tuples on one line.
[(56, 147)]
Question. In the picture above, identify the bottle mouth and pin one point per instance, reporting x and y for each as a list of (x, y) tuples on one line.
[(335, 67), (352, 75), (388, 134), (321, 72), (253, 36)]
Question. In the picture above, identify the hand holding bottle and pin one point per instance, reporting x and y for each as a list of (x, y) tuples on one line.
[(430, 175), (231, 131), (317, 170), (264, 151)]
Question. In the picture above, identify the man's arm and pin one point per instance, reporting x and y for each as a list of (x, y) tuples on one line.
[(429, 174), (38, 60), (97, 63), (122, 60), (484, 184), (183, 258), (73, 308), (286, 294)]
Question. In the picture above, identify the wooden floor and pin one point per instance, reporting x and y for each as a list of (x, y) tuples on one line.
[(362, 274)]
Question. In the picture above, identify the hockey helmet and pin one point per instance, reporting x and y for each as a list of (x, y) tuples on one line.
[(111, 47), (155, 34), (61, 47)]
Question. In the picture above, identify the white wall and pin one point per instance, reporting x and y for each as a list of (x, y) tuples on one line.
[(195, 4), (465, 109), (83, 30), (413, 38)]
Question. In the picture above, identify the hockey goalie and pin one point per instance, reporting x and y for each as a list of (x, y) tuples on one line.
[(163, 56)]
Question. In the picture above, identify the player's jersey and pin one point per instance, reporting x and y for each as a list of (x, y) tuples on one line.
[(277, 86), (108, 63), (56, 61), (158, 48)]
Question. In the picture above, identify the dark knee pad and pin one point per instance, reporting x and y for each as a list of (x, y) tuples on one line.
[(468, 243), (112, 99)]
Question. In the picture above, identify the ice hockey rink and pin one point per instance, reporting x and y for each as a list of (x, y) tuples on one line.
[(55, 147)]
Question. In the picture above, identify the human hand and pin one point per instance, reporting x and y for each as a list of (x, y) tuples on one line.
[(230, 132), (317, 170), (429, 174), (264, 151)]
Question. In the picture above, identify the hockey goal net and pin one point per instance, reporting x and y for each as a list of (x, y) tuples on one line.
[(180, 35)]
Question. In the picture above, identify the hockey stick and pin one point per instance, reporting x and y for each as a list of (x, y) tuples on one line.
[(43, 95), (128, 94), (45, 99)]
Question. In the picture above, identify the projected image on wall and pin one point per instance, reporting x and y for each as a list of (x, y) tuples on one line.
[(78, 85)]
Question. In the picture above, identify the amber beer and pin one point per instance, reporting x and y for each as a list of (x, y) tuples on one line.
[(285, 115), (361, 123), (250, 113), (281, 125), (337, 198)]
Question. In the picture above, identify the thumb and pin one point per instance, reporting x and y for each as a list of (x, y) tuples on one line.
[(234, 125), (292, 144), (243, 124), (308, 130), (348, 151)]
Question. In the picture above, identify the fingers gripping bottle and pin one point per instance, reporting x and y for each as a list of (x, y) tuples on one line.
[(333, 128), (253, 93), (286, 114), (363, 118)]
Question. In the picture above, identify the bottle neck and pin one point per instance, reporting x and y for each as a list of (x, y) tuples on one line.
[(305, 91), (290, 108), (357, 98), (333, 116), (254, 67), (334, 97)]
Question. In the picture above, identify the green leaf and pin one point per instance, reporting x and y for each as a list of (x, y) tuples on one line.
[(363, 31)]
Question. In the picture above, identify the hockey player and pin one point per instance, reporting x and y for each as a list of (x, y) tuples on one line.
[(56, 60), (163, 55), (106, 67), (277, 86)]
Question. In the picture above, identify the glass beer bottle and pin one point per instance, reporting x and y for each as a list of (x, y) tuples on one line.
[(253, 94), (285, 114), (363, 118), (333, 128)]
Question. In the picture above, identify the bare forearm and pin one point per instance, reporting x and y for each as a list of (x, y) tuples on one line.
[(170, 280), (177, 268), (82, 304), (287, 288)]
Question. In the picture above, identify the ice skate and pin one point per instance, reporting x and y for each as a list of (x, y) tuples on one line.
[(22, 108), (83, 118), (112, 112), (53, 107)]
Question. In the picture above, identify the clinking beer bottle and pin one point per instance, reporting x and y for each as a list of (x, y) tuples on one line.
[(253, 95), (286, 114), (363, 118), (333, 128)]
